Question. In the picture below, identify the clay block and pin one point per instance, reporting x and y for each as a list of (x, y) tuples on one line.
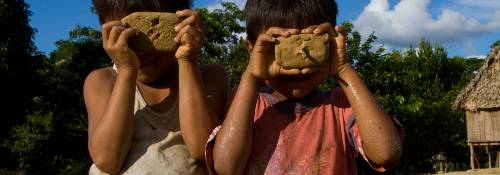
[(302, 50), (155, 31)]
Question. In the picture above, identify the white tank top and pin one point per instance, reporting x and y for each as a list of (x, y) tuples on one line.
[(157, 145)]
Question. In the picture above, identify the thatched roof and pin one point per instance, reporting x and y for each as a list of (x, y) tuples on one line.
[(483, 92)]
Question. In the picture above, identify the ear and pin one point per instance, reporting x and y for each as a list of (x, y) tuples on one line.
[(249, 46)]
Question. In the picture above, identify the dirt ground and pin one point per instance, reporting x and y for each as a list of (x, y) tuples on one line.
[(491, 171)]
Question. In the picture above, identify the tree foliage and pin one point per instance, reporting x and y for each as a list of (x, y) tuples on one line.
[(495, 44), (44, 122), (53, 140), (19, 61), (418, 86), (224, 44)]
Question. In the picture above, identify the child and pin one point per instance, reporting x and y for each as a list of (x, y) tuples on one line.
[(153, 113), (290, 126)]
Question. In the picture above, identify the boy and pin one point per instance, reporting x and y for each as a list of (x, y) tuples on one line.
[(291, 126), (153, 112)]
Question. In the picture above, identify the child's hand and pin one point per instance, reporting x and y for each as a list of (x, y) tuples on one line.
[(262, 63), (115, 42), (190, 34), (338, 60)]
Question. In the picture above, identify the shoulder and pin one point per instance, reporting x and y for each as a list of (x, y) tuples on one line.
[(99, 78)]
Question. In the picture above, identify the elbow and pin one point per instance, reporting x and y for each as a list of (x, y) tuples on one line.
[(386, 160), (198, 155), (388, 156), (104, 162), (224, 168), (197, 150), (224, 165), (106, 165)]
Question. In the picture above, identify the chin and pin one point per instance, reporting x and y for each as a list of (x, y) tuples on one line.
[(145, 78), (295, 93), (296, 87), (151, 73)]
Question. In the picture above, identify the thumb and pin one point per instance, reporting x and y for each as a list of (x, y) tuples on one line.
[(341, 37)]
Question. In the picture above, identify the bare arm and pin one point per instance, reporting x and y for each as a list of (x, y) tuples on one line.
[(198, 113), (198, 117), (110, 101), (234, 140), (233, 144), (381, 141), (110, 111)]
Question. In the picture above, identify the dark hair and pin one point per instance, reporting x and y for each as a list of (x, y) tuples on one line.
[(117, 9), (262, 14)]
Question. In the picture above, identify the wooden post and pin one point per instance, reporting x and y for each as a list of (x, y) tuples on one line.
[(489, 156), (497, 164), (440, 167), (471, 148)]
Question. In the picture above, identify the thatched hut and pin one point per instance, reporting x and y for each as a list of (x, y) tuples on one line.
[(481, 101)]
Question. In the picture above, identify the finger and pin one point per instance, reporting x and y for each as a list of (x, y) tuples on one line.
[(114, 34), (106, 28), (265, 39), (285, 72), (293, 31), (323, 28), (188, 39), (187, 29), (186, 48), (191, 20), (125, 35), (309, 29), (278, 31), (309, 70), (193, 37), (186, 12), (341, 37)]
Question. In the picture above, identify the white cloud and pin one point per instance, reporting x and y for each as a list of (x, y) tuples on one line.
[(411, 20), (481, 3), (477, 56)]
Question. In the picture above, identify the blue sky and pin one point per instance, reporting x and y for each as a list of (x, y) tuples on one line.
[(464, 27)]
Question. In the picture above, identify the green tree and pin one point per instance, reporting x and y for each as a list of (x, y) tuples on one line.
[(45, 128), (53, 140), (223, 45), (495, 44), (418, 86), (19, 80)]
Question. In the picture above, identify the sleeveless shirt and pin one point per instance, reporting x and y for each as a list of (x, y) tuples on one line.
[(157, 145)]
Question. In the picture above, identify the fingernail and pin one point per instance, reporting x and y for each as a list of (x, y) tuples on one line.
[(176, 28)]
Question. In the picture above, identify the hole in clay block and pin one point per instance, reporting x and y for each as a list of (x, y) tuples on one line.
[(156, 36), (155, 21), (151, 32)]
